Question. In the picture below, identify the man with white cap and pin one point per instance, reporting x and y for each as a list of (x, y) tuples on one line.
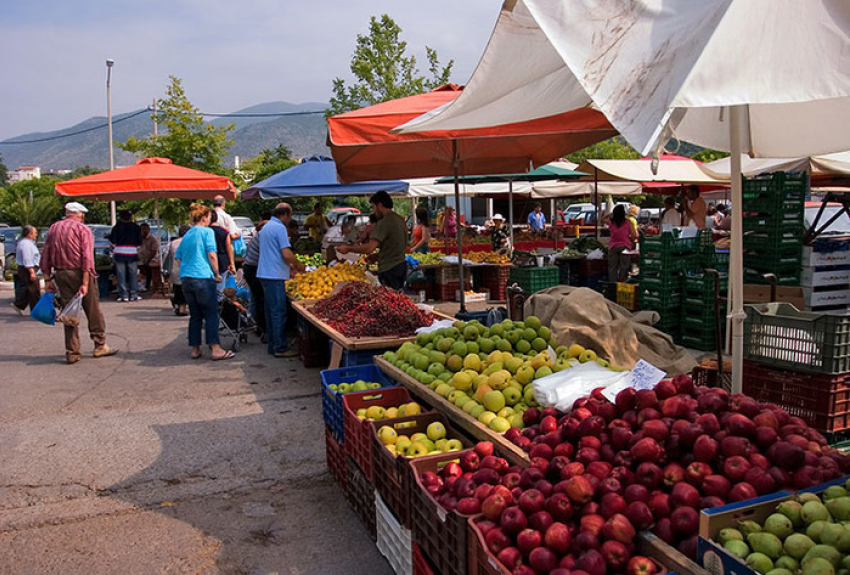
[(67, 261), (499, 236)]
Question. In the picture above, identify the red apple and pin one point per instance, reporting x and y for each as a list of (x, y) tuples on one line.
[(548, 423), (513, 520), (483, 449), (572, 469), (761, 480), (665, 389), (468, 506), (636, 492), (660, 505), (649, 475), (696, 473), (741, 492), (639, 565), (496, 540), (716, 485), (540, 521), (559, 506), (591, 561), (612, 504), (558, 538), (616, 555), (531, 501), (732, 445), (705, 449), (647, 449), (645, 398), (709, 423), (592, 523), (510, 557), (493, 506), (639, 514), (664, 531), (528, 539), (542, 560), (684, 495), (673, 474), (618, 528), (735, 468), (579, 489), (511, 480), (684, 521)]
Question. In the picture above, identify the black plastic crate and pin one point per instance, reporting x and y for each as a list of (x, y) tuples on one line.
[(361, 497)]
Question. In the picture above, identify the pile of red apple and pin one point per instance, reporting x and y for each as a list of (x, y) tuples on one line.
[(651, 460)]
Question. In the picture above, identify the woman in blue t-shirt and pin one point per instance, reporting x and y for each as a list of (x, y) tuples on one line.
[(199, 274)]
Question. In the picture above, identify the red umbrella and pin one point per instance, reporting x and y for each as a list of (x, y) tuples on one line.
[(148, 178), (364, 149)]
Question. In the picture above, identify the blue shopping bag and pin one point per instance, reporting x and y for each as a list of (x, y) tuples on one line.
[(230, 282), (44, 311), (239, 248)]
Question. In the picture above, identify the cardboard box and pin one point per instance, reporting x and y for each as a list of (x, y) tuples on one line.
[(822, 259), (711, 555), (755, 293)]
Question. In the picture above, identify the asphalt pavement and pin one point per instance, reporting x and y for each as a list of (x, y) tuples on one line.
[(148, 462)]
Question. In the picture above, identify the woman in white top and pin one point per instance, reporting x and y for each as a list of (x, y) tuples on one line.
[(670, 215)]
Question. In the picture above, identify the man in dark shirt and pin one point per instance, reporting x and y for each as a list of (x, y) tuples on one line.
[(126, 237), (390, 235)]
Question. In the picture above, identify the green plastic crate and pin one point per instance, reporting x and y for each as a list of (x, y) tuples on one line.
[(670, 243), (770, 193), (791, 238), (660, 283), (781, 336), (773, 224), (701, 313), (714, 259), (662, 303), (532, 280), (655, 263), (703, 285), (696, 342), (780, 261)]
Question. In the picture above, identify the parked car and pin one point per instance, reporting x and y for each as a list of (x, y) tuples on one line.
[(246, 226), (10, 234), (335, 214), (839, 228)]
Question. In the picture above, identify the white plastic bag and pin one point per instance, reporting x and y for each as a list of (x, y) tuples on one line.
[(70, 314), (562, 388), (596, 254)]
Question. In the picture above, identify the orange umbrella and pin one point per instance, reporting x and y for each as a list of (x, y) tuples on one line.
[(364, 149), (148, 178)]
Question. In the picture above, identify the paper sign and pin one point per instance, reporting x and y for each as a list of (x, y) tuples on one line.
[(644, 375)]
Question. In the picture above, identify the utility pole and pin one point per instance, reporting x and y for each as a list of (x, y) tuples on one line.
[(109, 63)]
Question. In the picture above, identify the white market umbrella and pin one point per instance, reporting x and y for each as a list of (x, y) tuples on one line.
[(770, 78)]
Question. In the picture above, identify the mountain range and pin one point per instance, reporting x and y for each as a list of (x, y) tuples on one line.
[(85, 144)]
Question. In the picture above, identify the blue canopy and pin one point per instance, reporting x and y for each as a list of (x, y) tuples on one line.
[(316, 176)]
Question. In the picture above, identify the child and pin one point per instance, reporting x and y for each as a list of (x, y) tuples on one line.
[(230, 295)]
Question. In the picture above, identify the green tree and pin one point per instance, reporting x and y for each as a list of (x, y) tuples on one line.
[(706, 155), (185, 138), (31, 202), (613, 149), (4, 172), (383, 71)]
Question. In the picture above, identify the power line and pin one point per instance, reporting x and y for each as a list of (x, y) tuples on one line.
[(146, 110), (78, 132)]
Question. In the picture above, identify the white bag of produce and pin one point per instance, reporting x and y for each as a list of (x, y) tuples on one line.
[(596, 254), (436, 325), (562, 388)]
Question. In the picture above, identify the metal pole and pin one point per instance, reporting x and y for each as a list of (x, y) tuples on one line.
[(596, 197), (462, 288), (511, 212), (109, 63), (736, 259)]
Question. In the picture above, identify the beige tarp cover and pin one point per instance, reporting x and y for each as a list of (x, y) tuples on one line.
[(584, 317)]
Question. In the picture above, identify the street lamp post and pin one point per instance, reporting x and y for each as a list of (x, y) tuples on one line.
[(109, 63)]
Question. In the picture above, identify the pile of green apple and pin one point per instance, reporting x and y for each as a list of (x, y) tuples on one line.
[(806, 535), (358, 385), (378, 412), (488, 372), (432, 442)]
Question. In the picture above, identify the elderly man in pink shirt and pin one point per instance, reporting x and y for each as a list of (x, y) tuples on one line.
[(67, 261)]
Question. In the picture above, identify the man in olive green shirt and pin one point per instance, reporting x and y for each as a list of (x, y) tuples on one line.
[(390, 235)]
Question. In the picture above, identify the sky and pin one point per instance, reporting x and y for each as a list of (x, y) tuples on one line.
[(229, 55)]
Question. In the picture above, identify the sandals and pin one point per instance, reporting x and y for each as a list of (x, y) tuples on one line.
[(197, 355), (226, 355)]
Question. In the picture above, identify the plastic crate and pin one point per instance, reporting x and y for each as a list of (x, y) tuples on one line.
[(698, 312), (332, 401), (421, 565), (392, 475), (441, 534), (671, 243), (779, 260), (594, 282), (627, 296), (658, 284), (662, 302), (393, 540), (361, 497), (568, 270), (784, 239), (781, 335), (353, 358), (446, 292), (312, 344), (770, 193), (754, 276), (667, 263), (588, 267), (335, 459), (532, 280), (358, 433), (701, 286), (821, 400), (715, 259), (772, 224), (481, 560)]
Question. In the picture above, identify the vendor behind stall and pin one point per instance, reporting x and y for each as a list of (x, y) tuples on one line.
[(391, 236), (499, 234)]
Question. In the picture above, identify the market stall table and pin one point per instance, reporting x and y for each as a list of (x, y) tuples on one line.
[(472, 426), (341, 342)]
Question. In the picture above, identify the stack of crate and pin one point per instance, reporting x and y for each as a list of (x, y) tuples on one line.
[(773, 209), (699, 313), (826, 275), (447, 280), (495, 279), (664, 260)]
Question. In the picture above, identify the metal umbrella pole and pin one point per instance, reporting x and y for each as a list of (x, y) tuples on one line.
[(459, 233)]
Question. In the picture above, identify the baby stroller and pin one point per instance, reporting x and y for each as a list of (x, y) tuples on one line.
[(235, 321)]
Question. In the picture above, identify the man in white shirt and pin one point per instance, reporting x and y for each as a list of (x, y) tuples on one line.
[(224, 219), (28, 258)]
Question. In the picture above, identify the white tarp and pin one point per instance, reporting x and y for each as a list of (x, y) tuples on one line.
[(644, 63), (682, 171), (837, 164), (585, 189), (428, 188)]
